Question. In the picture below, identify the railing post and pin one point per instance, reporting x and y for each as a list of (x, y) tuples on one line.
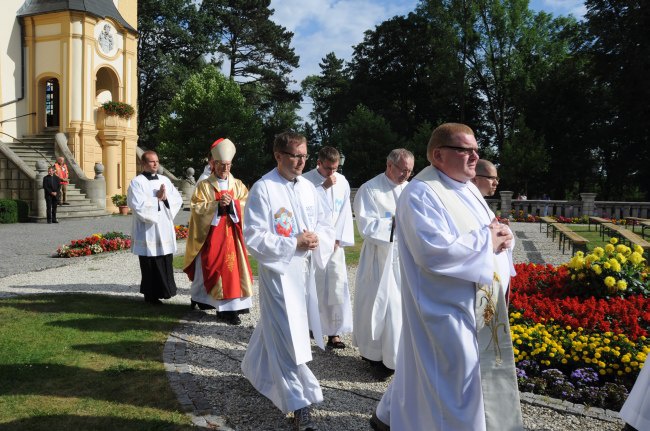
[(506, 203), (38, 204), (588, 204)]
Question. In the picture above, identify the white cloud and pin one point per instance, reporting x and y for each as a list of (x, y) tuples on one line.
[(561, 7), (324, 26)]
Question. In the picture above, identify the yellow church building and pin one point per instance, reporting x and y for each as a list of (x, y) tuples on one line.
[(60, 61)]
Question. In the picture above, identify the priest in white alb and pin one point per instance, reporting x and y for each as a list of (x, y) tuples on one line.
[(289, 233), (455, 366), (332, 282), (377, 312), (154, 201)]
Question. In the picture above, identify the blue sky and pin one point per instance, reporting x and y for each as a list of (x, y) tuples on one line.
[(323, 26)]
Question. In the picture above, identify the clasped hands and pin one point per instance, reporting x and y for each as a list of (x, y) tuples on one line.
[(162, 193), (225, 200), (307, 240), (501, 236)]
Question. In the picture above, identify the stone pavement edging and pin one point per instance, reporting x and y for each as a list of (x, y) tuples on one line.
[(192, 400)]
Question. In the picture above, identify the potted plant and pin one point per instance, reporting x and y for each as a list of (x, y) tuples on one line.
[(120, 109), (120, 202)]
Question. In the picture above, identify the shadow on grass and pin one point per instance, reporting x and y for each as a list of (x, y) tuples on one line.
[(86, 303), (68, 381), (94, 423)]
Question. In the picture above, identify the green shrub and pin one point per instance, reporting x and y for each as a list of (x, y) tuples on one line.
[(8, 211), (23, 211)]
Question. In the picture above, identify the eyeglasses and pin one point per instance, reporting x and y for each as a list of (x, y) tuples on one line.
[(489, 177), (464, 150), (296, 156), (402, 171)]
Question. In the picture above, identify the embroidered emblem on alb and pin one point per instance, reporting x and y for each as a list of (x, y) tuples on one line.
[(283, 221)]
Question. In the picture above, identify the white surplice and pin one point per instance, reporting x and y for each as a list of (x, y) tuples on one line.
[(332, 282), (153, 231), (636, 410), (374, 208), (277, 210), (440, 383)]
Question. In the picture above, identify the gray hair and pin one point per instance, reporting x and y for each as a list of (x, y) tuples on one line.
[(399, 153)]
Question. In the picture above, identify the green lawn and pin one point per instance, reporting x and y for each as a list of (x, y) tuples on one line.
[(86, 362), (592, 235)]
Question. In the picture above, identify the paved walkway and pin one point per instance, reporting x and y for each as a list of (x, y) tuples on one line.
[(203, 355)]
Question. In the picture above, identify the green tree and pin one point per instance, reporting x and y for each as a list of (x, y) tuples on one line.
[(210, 106), (620, 30), (328, 92), (404, 70), (172, 44), (524, 160), (258, 50), (366, 139)]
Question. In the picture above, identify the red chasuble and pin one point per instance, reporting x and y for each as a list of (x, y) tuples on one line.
[(222, 256)]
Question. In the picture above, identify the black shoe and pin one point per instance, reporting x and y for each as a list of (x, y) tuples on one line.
[(49, 222), (152, 301), (201, 305), (229, 317), (335, 344), (65, 203), (302, 420), (54, 221), (377, 424)]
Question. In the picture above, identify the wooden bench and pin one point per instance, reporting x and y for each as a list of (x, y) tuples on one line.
[(635, 221), (549, 221), (626, 235), (566, 234), (599, 221), (644, 225)]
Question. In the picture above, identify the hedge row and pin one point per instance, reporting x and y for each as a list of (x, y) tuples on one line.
[(13, 211)]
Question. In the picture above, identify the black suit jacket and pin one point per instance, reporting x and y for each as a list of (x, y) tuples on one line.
[(51, 184)]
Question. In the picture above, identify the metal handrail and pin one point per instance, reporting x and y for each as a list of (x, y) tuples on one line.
[(20, 116), (29, 145)]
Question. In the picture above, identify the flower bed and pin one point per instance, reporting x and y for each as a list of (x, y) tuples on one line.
[(94, 244), (100, 243), (181, 231), (577, 334)]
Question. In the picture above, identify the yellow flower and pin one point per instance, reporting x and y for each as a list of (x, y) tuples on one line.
[(621, 258), (638, 249), (615, 265), (610, 281), (636, 258), (597, 269), (598, 251), (621, 284), (609, 248), (621, 248), (613, 240)]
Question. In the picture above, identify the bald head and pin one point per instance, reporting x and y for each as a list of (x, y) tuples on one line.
[(486, 179)]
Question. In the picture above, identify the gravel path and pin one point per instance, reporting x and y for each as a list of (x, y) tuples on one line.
[(203, 355)]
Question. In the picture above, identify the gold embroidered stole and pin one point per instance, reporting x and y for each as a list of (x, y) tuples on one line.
[(496, 357)]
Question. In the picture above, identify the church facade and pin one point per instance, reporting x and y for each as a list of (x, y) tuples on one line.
[(61, 60)]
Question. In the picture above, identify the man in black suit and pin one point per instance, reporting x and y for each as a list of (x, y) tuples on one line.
[(51, 187)]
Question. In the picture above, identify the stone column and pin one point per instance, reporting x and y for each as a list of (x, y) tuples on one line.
[(506, 203), (96, 189), (111, 156), (38, 204), (588, 204)]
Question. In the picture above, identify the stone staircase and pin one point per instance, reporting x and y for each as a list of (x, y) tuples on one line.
[(41, 147)]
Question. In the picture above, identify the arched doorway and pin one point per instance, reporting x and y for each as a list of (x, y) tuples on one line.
[(106, 86), (52, 102)]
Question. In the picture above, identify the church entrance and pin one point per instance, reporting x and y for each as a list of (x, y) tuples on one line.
[(52, 103)]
